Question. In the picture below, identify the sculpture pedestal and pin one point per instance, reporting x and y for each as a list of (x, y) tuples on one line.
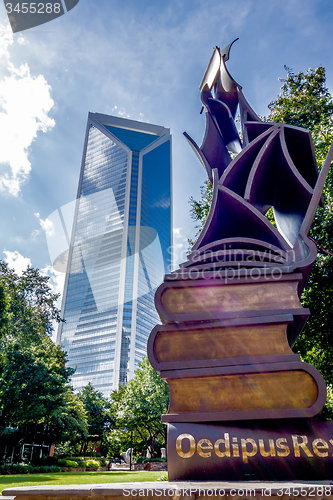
[(278, 450), (224, 350), (241, 402)]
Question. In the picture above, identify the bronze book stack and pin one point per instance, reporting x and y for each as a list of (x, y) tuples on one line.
[(224, 349)]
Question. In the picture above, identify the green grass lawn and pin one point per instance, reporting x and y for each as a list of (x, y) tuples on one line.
[(77, 478)]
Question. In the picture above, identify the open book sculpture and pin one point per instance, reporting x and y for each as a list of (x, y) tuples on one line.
[(232, 311)]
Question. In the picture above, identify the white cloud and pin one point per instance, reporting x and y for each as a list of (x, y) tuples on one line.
[(34, 234), (57, 280), (177, 232), (22, 40), (6, 39), (16, 261), (180, 246), (25, 102), (47, 226)]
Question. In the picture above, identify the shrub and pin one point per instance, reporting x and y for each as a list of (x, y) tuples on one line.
[(79, 460), (53, 468), (143, 460), (16, 469), (28, 469), (45, 468), (67, 463), (91, 464)]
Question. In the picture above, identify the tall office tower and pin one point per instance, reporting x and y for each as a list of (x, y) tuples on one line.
[(119, 251)]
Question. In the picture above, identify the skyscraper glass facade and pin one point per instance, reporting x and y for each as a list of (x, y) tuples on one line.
[(120, 249)]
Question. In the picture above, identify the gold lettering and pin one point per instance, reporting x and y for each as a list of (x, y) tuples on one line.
[(281, 446), (320, 444), (179, 449), (302, 444), (202, 446), (235, 448), (245, 452), (226, 442), (271, 452)]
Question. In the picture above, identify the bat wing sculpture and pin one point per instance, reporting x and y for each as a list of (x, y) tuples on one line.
[(275, 167)]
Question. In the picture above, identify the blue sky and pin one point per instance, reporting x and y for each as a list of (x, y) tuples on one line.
[(140, 59)]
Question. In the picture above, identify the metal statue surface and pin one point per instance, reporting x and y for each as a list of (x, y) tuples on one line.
[(232, 312), (275, 167)]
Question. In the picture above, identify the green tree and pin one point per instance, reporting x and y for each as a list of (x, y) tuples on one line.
[(69, 422), (140, 404), (305, 101), (96, 408), (200, 208), (35, 394), (4, 310)]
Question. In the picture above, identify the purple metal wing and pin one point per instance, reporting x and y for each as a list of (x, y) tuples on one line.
[(275, 167)]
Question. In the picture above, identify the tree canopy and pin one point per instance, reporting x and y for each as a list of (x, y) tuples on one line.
[(36, 397), (96, 407), (200, 208), (305, 102), (140, 404), (37, 402)]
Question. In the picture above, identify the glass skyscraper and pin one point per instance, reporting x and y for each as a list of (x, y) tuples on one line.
[(119, 249)]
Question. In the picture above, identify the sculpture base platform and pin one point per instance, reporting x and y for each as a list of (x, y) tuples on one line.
[(279, 450), (167, 490)]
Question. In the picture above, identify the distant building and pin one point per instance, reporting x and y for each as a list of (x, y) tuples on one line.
[(120, 249)]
